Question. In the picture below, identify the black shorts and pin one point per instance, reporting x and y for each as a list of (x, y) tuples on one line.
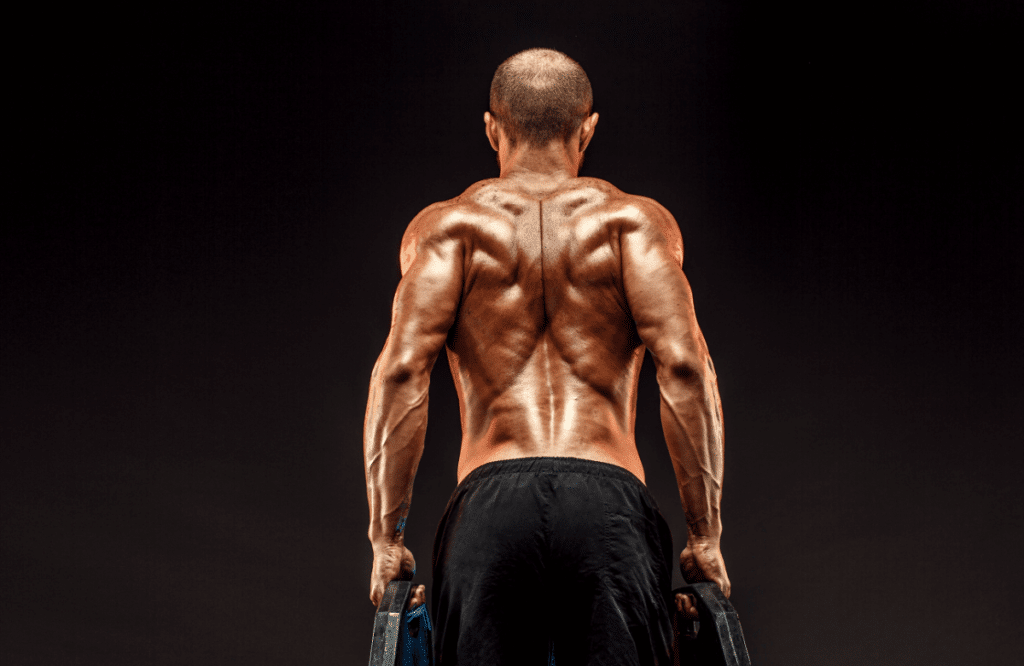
[(535, 555)]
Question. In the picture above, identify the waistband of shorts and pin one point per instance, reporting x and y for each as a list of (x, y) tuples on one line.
[(551, 465)]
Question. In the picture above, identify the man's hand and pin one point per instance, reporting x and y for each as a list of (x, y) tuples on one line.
[(701, 560), (686, 604), (417, 597), (390, 562)]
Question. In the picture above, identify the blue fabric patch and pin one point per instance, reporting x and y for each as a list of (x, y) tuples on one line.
[(414, 642)]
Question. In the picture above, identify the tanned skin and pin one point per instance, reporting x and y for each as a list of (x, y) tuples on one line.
[(544, 289)]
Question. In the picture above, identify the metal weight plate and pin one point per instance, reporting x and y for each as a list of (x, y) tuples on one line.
[(716, 638)]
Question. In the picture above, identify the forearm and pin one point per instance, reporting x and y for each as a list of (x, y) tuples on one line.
[(394, 431), (691, 416)]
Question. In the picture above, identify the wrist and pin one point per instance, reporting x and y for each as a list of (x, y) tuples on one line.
[(381, 540), (695, 542), (704, 532)]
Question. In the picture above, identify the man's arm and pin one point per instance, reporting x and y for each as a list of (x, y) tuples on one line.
[(396, 413), (661, 303)]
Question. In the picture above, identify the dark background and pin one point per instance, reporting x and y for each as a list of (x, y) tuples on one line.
[(201, 249)]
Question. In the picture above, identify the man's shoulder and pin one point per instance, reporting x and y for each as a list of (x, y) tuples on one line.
[(632, 210), (634, 216), (455, 219), (479, 198)]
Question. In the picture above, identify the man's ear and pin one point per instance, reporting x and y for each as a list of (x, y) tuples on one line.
[(491, 129), (587, 131)]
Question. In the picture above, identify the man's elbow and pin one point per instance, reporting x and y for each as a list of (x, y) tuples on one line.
[(686, 372), (685, 367), (401, 371)]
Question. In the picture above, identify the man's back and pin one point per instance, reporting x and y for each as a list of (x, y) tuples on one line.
[(544, 350)]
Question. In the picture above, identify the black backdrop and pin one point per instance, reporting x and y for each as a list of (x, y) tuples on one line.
[(202, 246)]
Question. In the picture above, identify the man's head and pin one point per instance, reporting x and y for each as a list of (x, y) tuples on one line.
[(539, 96)]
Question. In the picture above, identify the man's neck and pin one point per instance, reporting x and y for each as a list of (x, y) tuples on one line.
[(540, 168)]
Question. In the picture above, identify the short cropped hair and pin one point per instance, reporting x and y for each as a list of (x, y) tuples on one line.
[(540, 95)]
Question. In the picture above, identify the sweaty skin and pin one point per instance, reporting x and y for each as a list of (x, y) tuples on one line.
[(544, 289)]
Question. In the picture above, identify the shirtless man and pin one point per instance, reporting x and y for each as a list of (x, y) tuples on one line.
[(545, 288)]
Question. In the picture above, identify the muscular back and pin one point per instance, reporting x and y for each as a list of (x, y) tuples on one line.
[(542, 342)]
